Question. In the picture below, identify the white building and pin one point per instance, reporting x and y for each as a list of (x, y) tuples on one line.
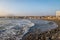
[(57, 13)]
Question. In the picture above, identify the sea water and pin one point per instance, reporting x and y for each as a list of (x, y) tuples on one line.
[(16, 28)]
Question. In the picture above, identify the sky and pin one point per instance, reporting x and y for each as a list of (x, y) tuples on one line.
[(29, 7)]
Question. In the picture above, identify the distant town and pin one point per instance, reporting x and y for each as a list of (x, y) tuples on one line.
[(57, 16)]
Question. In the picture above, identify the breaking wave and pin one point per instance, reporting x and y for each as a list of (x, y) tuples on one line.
[(9, 28), (17, 28)]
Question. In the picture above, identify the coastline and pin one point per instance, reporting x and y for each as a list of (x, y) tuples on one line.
[(54, 34)]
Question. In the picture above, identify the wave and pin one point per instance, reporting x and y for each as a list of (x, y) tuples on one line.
[(14, 27), (18, 28)]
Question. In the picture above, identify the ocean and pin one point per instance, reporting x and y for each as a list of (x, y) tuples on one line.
[(19, 27)]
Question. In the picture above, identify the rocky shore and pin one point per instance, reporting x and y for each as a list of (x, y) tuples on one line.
[(53, 34)]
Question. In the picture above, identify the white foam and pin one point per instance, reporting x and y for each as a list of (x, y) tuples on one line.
[(9, 26)]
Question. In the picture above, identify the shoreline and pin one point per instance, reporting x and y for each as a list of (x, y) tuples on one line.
[(54, 34)]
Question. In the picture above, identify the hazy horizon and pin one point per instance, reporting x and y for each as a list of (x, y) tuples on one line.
[(29, 7)]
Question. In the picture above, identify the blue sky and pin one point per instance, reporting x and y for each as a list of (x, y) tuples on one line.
[(29, 7)]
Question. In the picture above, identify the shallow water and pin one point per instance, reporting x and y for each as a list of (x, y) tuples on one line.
[(18, 27), (43, 25)]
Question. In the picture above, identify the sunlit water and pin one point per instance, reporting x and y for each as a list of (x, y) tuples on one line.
[(18, 27)]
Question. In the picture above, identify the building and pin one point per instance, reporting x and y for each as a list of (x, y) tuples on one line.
[(57, 13)]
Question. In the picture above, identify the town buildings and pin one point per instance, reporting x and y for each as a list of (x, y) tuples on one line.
[(57, 13)]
